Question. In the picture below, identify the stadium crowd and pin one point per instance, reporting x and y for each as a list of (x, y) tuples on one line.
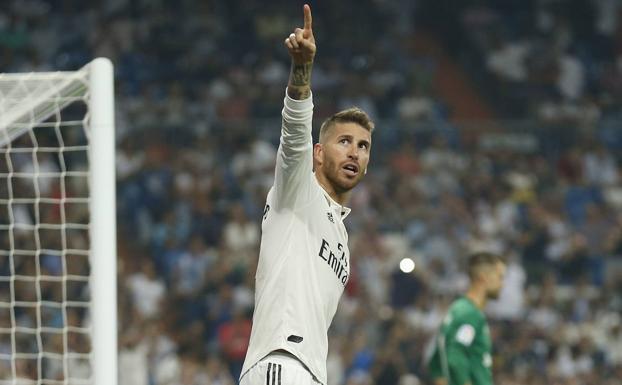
[(199, 93)]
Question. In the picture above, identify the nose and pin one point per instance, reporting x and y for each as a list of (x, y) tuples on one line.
[(353, 153)]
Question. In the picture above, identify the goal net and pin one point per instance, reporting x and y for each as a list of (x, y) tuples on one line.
[(57, 228)]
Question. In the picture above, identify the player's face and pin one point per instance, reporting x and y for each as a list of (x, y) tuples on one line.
[(495, 280), (344, 155)]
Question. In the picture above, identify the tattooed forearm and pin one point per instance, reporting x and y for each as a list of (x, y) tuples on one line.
[(300, 74), (299, 86)]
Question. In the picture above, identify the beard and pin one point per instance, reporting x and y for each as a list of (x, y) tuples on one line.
[(493, 294), (339, 181)]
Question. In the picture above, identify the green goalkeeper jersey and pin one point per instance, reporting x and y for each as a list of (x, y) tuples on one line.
[(463, 346)]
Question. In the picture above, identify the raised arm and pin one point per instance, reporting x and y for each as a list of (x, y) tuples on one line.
[(301, 47), (294, 165)]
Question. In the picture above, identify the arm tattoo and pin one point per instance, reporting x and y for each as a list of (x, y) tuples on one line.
[(299, 86), (301, 74)]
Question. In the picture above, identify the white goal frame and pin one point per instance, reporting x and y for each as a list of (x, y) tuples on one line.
[(103, 223), (98, 77)]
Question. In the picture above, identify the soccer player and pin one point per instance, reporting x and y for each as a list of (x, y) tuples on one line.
[(304, 261), (463, 346)]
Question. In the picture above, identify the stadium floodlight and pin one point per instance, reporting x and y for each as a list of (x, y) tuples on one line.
[(58, 322)]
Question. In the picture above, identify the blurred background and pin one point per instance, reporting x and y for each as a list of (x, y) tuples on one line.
[(499, 127)]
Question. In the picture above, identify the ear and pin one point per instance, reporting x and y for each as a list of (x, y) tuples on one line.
[(318, 155)]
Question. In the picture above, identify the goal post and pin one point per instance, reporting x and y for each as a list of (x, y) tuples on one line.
[(103, 223), (58, 292)]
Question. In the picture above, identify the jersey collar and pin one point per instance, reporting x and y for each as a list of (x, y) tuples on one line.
[(338, 209)]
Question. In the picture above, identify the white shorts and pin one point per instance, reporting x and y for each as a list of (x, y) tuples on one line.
[(279, 368)]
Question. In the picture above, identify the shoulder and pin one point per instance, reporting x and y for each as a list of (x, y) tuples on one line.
[(460, 307), (463, 309), (466, 321)]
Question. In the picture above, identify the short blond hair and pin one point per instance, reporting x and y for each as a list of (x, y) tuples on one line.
[(350, 115), (481, 260)]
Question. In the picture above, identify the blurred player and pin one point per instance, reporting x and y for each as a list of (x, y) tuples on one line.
[(304, 261), (463, 348)]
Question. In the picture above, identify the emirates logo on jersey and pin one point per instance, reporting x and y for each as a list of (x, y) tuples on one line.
[(338, 262)]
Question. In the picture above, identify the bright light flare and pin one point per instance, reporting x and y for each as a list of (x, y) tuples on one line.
[(407, 265)]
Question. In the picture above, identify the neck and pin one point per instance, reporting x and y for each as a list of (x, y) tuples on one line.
[(477, 295), (339, 197)]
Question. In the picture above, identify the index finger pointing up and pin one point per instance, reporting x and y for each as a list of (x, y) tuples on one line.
[(308, 19)]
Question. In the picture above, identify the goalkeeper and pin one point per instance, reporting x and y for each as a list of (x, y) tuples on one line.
[(462, 354)]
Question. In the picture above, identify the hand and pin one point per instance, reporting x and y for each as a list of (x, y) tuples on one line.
[(301, 43)]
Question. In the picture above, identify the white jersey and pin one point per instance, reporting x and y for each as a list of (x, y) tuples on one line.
[(304, 261)]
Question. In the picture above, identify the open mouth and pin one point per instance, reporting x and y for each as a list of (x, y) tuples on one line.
[(351, 169)]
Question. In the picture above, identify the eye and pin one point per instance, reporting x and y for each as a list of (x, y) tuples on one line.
[(364, 145), (344, 141)]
